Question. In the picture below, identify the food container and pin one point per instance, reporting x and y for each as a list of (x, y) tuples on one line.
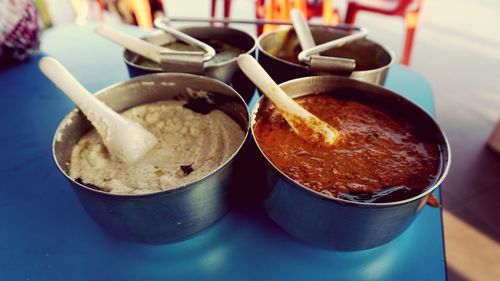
[(226, 71), (339, 224), (165, 216), (372, 59)]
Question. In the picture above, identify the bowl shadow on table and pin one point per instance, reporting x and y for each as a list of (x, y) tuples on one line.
[(453, 275), (245, 233), (480, 210), (249, 188), (232, 242)]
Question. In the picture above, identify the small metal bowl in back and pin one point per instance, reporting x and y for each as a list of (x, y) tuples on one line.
[(227, 42), (278, 51), (164, 216)]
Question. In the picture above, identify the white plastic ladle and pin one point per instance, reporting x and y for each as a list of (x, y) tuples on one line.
[(152, 51), (309, 48), (303, 122), (126, 140), (302, 29), (136, 45)]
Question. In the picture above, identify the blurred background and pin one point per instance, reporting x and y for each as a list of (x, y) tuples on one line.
[(454, 44)]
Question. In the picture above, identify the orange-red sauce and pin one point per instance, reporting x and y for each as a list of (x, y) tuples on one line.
[(376, 156)]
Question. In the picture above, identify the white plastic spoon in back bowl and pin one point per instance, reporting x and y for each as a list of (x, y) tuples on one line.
[(302, 30), (309, 52), (126, 140), (152, 51), (136, 45), (303, 122)]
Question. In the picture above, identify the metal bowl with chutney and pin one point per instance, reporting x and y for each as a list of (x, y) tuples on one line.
[(167, 215)]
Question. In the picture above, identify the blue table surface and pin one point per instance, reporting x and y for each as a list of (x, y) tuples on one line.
[(46, 235)]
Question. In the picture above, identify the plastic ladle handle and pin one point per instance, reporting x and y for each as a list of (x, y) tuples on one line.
[(295, 115), (302, 30), (136, 45), (126, 140)]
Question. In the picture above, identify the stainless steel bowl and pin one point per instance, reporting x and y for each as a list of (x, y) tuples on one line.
[(340, 224), (226, 71), (375, 58), (169, 215)]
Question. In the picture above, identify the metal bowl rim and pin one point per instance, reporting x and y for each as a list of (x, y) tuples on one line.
[(171, 190), (319, 195), (222, 63)]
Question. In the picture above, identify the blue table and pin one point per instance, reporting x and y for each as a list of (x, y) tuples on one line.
[(46, 235)]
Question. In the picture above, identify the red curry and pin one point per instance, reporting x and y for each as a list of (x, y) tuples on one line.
[(376, 156)]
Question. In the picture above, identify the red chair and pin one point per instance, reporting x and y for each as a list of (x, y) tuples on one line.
[(408, 9)]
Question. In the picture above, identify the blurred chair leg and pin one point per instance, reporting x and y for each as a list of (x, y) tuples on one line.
[(350, 15), (259, 14), (411, 20), (227, 10), (213, 8)]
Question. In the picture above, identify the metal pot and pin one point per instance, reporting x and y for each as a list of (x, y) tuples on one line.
[(169, 215), (226, 71), (373, 58), (339, 224)]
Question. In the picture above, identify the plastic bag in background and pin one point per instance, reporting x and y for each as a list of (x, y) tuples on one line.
[(19, 31)]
